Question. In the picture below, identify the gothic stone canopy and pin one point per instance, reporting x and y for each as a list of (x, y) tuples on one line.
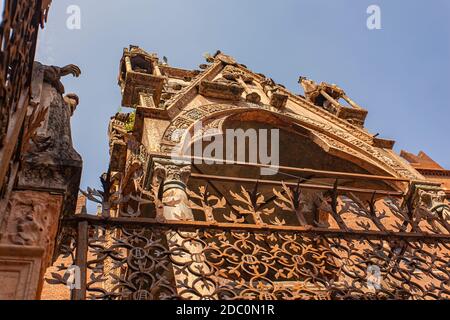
[(169, 102), (342, 207)]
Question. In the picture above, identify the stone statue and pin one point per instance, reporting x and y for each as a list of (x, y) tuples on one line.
[(53, 74), (47, 92), (51, 159)]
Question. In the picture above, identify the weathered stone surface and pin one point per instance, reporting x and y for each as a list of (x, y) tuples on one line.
[(33, 220), (139, 74), (221, 90), (20, 272), (327, 96), (52, 163), (278, 100), (174, 177), (47, 187), (316, 133), (430, 198)]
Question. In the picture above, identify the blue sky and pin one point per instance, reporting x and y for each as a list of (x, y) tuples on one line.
[(401, 73)]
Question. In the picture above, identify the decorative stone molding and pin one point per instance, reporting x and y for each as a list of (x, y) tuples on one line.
[(176, 104), (232, 73), (20, 272), (383, 143), (221, 90), (170, 171)]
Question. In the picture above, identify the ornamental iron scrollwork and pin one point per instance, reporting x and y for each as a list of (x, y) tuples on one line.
[(259, 243), (159, 263)]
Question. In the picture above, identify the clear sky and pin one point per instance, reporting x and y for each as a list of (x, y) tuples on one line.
[(400, 73)]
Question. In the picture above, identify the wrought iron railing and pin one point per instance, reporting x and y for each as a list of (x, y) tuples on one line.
[(305, 243)]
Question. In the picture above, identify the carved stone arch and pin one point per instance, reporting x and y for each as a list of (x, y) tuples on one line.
[(330, 138)]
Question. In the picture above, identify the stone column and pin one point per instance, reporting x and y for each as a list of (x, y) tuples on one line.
[(174, 176)]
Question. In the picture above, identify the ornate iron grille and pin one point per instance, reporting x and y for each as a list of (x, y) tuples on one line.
[(379, 249), (18, 37)]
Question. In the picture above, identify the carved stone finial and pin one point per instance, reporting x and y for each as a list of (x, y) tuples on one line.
[(309, 86), (273, 92), (327, 96)]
